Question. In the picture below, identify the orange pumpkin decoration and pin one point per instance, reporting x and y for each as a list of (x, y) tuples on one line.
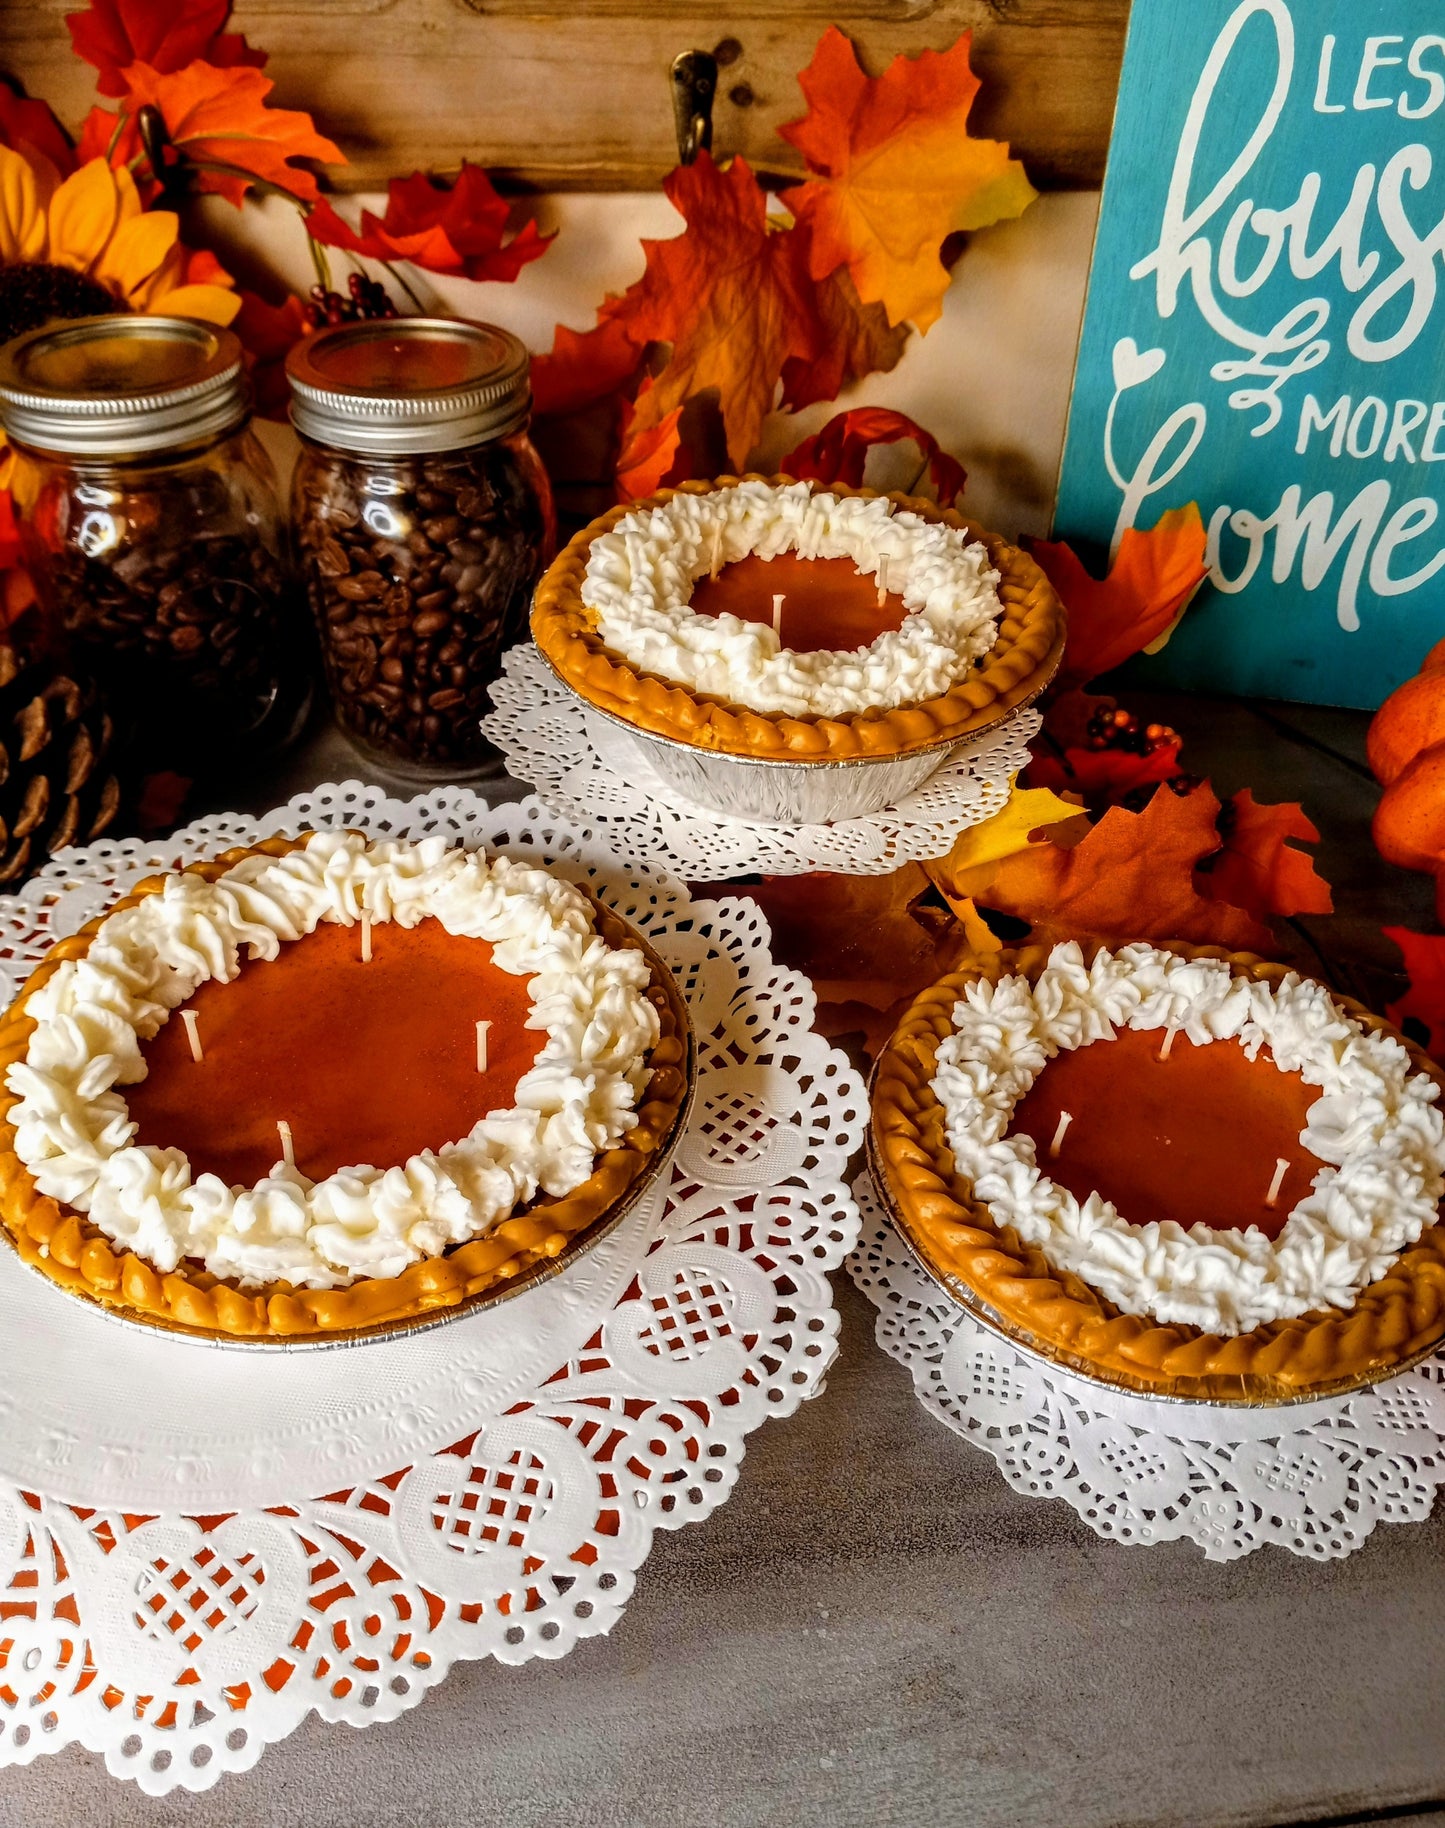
[(1406, 752)]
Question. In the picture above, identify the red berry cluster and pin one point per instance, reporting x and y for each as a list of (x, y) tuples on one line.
[(1112, 727), (368, 300)]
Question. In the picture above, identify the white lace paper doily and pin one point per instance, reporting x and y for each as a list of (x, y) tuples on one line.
[(542, 733), (198, 1547), (1313, 1477)]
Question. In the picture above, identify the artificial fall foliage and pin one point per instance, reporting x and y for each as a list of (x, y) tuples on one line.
[(219, 126), (1423, 1004), (896, 172), (444, 228), (1148, 588), (114, 34), (1258, 868), (839, 452)]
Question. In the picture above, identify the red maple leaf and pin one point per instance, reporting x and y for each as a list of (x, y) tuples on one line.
[(1424, 1001), (1148, 588), (1103, 776), (1260, 871), (218, 122), (457, 228), (648, 452), (29, 127), (268, 333), (114, 34), (855, 340), (583, 366), (730, 296), (839, 452)]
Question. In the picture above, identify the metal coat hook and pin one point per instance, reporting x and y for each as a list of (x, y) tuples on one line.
[(694, 84)]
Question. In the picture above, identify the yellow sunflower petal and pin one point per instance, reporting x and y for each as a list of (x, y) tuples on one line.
[(136, 253), (22, 221), (213, 303), (83, 215)]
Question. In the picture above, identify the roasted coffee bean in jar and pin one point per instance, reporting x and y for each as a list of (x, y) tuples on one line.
[(151, 522), (422, 519)]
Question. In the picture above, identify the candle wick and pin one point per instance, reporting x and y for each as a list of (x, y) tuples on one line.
[(288, 1148), (366, 939), (188, 1016), (1065, 1119), (1169, 1034), (1281, 1169), (882, 579), (482, 1028), (716, 560), (778, 616)]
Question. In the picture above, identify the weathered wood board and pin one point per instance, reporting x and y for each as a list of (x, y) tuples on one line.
[(577, 96)]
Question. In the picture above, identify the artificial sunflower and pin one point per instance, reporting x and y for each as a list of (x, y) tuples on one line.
[(86, 245)]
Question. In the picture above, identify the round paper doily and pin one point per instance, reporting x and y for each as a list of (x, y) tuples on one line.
[(197, 1547), (1314, 1477), (543, 735)]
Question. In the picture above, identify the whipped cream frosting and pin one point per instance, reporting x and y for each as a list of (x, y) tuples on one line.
[(75, 1135), (640, 576), (1375, 1126)]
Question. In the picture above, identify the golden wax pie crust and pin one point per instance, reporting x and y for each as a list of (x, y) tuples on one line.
[(73, 1252), (1393, 1321), (1013, 672)]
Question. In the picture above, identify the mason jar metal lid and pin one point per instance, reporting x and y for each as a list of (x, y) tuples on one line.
[(120, 385), (397, 385)]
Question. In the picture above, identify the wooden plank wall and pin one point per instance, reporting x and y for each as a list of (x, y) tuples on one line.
[(577, 96)]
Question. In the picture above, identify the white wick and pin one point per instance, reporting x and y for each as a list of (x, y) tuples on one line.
[(715, 561), (366, 939), (482, 1028), (1065, 1119), (778, 616), (1281, 1169), (188, 1016), (288, 1148), (1169, 1034), (882, 579)]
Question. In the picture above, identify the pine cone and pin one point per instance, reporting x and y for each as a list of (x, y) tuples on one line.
[(55, 785)]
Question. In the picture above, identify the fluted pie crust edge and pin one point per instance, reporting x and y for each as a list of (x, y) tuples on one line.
[(1394, 1321), (1014, 671), (65, 1246)]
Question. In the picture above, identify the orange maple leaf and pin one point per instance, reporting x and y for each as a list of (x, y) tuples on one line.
[(648, 451), (1148, 588), (1423, 1004), (445, 228), (732, 297), (1257, 869), (854, 340), (218, 121), (1130, 877), (839, 452), (897, 172)]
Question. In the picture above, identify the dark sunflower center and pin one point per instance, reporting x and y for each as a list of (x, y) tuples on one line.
[(32, 294)]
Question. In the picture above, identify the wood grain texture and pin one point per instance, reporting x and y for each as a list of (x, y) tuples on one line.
[(577, 96)]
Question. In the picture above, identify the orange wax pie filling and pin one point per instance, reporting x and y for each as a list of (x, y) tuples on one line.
[(421, 1175), (827, 603), (367, 1062), (1194, 1137), (972, 664), (1153, 1207)]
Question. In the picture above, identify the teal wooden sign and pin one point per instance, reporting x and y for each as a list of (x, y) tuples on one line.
[(1265, 335)]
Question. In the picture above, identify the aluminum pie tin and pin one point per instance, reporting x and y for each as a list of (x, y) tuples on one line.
[(1053, 1358), (344, 1338), (763, 791)]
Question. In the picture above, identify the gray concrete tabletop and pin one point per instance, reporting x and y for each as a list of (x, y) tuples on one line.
[(876, 1630)]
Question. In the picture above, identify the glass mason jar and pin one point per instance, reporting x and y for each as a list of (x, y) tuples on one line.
[(151, 522), (422, 519)]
